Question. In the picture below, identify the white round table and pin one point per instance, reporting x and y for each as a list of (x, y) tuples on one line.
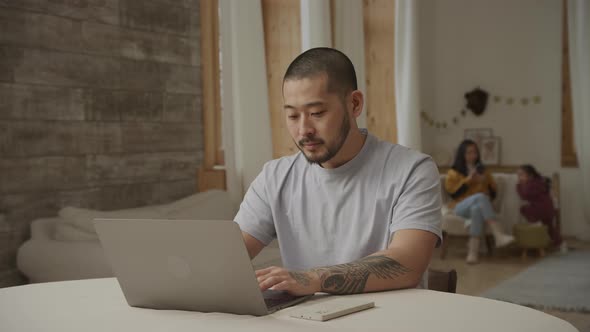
[(99, 305)]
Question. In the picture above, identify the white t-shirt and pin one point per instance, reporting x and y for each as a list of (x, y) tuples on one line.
[(324, 217)]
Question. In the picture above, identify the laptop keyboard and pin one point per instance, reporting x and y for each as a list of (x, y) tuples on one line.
[(277, 298)]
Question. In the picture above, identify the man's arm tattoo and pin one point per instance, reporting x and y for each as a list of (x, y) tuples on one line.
[(352, 278), (301, 277)]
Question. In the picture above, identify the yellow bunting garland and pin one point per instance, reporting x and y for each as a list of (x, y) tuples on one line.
[(523, 101)]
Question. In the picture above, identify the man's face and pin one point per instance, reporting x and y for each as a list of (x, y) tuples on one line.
[(316, 119)]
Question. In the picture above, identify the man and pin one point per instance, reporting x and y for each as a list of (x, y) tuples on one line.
[(352, 214)]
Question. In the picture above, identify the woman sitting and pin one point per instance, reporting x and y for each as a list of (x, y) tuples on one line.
[(472, 188), (534, 189)]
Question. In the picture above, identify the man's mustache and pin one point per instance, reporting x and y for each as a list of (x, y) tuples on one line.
[(310, 141)]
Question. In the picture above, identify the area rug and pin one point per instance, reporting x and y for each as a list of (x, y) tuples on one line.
[(558, 282)]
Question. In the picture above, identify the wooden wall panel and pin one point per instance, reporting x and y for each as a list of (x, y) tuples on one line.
[(207, 176), (213, 154), (568, 148), (379, 58), (282, 42)]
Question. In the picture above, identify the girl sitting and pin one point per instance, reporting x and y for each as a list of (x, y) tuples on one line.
[(472, 189), (535, 190)]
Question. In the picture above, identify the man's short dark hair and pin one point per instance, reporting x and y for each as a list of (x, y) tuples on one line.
[(324, 60)]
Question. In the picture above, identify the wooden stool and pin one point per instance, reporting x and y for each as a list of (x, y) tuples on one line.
[(541, 252), (531, 236)]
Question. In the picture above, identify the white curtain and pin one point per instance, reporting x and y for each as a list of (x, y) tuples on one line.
[(246, 119), (579, 51), (406, 74), (315, 24), (349, 38)]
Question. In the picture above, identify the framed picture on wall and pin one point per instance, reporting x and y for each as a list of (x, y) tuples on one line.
[(490, 150), (477, 134)]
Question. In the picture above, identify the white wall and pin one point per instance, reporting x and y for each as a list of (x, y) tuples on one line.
[(511, 49), (246, 119)]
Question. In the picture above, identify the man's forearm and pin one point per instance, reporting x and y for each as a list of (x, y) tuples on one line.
[(369, 274), (401, 265)]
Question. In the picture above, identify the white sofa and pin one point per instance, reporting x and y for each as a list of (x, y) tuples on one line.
[(66, 247), (507, 206)]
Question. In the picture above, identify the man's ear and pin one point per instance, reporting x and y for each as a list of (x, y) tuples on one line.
[(357, 99)]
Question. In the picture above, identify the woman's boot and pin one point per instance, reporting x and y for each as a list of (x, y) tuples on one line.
[(500, 238), (473, 250)]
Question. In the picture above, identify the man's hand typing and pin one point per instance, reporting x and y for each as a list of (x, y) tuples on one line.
[(295, 282)]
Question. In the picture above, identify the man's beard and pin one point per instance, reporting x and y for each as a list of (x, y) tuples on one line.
[(332, 149)]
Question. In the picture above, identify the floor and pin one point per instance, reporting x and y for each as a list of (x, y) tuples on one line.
[(503, 264)]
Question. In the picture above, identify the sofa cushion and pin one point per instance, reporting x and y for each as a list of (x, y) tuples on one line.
[(46, 261), (76, 224), (208, 205), (82, 219), (69, 233)]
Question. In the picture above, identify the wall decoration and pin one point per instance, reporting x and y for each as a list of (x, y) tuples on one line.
[(477, 100), (431, 122), (523, 100), (477, 134), (490, 150)]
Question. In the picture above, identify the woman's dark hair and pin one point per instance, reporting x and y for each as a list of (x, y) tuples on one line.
[(533, 173), (460, 164), (530, 170)]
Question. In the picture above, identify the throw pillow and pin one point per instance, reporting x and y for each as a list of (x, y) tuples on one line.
[(83, 218), (68, 233), (208, 205)]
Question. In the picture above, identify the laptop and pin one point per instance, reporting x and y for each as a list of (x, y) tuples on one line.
[(195, 265)]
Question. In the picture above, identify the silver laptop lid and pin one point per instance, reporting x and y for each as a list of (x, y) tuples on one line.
[(180, 264)]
